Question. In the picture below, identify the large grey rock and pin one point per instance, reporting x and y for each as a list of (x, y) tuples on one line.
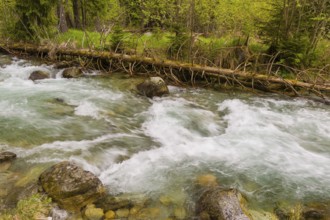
[(38, 75), (154, 86), (221, 204), (7, 156), (72, 72), (71, 186)]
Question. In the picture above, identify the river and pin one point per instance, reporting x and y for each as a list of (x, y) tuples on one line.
[(271, 148)]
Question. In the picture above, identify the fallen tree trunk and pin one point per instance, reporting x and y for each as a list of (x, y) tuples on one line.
[(178, 71)]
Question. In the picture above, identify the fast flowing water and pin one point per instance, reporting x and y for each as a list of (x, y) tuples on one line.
[(272, 149)]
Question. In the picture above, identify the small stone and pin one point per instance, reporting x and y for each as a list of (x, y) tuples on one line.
[(122, 213), (7, 156), (207, 180), (93, 213), (110, 215)]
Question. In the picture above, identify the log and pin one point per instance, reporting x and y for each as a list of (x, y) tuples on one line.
[(246, 79)]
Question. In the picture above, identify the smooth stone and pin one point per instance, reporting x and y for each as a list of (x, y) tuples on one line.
[(207, 180), (92, 213), (72, 72), (154, 86), (38, 75), (110, 215), (122, 213)]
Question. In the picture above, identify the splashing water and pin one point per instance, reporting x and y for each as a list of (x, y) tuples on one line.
[(270, 148)]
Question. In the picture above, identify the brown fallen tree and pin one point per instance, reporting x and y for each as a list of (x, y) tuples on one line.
[(178, 72)]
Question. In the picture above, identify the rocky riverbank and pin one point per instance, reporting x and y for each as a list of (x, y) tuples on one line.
[(79, 194)]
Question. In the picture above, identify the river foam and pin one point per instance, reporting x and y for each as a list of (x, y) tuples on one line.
[(270, 148)]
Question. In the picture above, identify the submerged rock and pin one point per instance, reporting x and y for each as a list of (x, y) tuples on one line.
[(38, 75), (93, 213), (154, 86), (221, 204), (72, 72), (71, 186), (7, 156)]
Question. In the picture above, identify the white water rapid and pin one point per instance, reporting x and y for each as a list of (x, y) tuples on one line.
[(271, 148)]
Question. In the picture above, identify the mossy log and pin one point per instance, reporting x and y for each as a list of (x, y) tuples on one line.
[(180, 72)]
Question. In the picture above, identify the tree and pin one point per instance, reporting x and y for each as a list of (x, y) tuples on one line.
[(36, 19), (62, 21), (295, 29)]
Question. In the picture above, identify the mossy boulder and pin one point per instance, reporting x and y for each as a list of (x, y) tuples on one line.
[(154, 86), (72, 72), (38, 75), (221, 204), (7, 156), (71, 186)]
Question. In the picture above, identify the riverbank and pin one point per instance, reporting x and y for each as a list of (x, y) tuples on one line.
[(178, 73)]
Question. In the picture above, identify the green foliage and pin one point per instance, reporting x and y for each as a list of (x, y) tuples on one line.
[(8, 18), (36, 19), (79, 39), (295, 28), (117, 39), (179, 44), (33, 207)]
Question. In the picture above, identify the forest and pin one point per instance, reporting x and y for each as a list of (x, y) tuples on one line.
[(285, 38)]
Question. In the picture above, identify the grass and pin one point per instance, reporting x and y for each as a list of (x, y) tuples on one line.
[(33, 207)]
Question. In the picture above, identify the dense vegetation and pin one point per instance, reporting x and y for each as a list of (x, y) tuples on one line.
[(291, 35)]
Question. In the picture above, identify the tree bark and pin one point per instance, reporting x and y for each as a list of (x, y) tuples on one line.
[(62, 25), (76, 13)]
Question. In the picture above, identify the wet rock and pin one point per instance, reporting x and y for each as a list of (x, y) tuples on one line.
[(7, 156), (92, 213), (122, 213), (207, 180), (38, 75), (72, 72), (221, 204), (154, 86), (71, 186), (110, 215), (113, 203)]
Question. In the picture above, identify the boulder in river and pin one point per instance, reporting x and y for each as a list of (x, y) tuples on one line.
[(7, 156), (38, 75), (72, 72), (221, 204), (154, 86), (71, 186)]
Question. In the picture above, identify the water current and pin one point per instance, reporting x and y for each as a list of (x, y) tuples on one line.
[(271, 148)]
